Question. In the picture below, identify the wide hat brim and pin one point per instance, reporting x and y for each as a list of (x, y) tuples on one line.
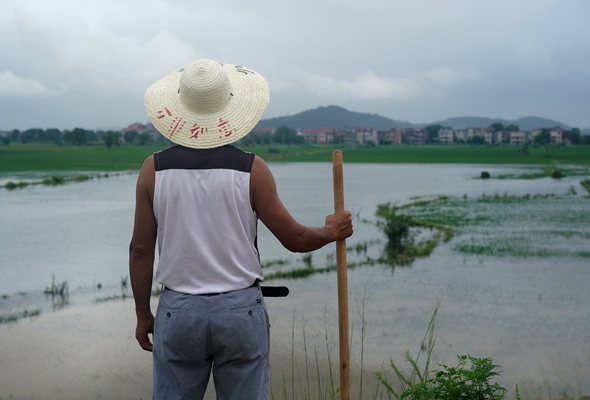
[(207, 104)]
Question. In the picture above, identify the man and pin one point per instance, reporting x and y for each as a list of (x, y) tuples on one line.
[(200, 201)]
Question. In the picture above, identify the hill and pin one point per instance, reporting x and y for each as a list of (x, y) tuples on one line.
[(333, 117), (525, 123), (338, 117)]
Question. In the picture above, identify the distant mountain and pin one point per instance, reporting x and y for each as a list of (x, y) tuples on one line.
[(338, 117), (333, 117), (525, 123)]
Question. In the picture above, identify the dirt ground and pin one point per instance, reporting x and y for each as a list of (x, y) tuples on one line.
[(90, 353)]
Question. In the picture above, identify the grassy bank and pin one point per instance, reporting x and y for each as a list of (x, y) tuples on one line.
[(459, 154), (49, 157), (38, 157)]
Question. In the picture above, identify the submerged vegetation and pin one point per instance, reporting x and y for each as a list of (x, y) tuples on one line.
[(501, 226), (16, 317), (490, 225), (402, 230), (53, 180)]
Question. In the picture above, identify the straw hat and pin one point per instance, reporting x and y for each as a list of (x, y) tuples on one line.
[(207, 104)]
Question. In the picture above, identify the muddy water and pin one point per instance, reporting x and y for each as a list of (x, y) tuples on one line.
[(525, 313)]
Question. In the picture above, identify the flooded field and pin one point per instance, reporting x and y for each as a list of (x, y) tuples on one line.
[(512, 281)]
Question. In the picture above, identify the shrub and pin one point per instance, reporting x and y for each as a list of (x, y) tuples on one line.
[(459, 382), (485, 175), (396, 226), (557, 174)]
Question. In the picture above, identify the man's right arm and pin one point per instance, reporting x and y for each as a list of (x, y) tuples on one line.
[(294, 236), (142, 252)]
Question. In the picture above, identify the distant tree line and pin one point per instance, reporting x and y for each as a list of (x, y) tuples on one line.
[(79, 137), (282, 135)]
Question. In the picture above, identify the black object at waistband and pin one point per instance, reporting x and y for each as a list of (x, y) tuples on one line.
[(267, 291)]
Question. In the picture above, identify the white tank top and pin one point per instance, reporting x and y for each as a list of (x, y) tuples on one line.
[(206, 225)]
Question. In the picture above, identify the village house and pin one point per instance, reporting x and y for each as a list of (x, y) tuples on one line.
[(141, 128), (366, 135), (320, 136), (556, 135), (414, 136), (488, 134), (269, 130), (446, 135), (393, 136), (517, 138)]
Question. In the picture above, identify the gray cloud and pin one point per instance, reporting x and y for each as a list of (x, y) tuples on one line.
[(419, 60)]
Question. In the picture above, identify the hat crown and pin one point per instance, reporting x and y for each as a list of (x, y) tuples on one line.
[(205, 87)]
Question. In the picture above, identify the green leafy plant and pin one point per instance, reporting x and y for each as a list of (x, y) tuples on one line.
[(447, 383), (459, 382), (557, 174), (395, 226)]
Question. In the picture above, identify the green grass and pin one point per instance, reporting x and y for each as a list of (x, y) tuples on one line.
[(431, 154), (19, 157), (49, 157)]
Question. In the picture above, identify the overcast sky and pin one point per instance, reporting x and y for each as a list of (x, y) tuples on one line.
[(84, 63)]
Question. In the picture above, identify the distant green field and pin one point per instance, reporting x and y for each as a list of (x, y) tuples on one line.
[(34, 157), (18, 157), (457, 154)]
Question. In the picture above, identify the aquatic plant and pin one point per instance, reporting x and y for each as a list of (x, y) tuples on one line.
[(274, 262), (485, 175), (586, 184), (61, 289), (402, 229), (16, 317), (557, 174), (54, 180), (18, 185), (307, 259), (395, 226)]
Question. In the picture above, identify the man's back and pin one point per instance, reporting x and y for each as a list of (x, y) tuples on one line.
[(206, 225)]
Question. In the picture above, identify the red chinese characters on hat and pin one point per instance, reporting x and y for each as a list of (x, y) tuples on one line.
[(225, 128), (197, 130), (176, 124)]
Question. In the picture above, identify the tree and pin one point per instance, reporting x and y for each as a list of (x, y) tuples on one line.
[(543, 138), (144, 138), (575, 136), (33, 135), (432, 131), (130, 136), (53, 135), (512, 128), (111, 138), (498, 126), (477, 140), (25, 137), (286, 135), (78, 137)]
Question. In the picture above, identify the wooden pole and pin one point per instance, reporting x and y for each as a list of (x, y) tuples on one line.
[(342, 282)]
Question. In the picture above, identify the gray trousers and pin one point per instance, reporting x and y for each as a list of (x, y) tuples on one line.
[(227, 334)]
